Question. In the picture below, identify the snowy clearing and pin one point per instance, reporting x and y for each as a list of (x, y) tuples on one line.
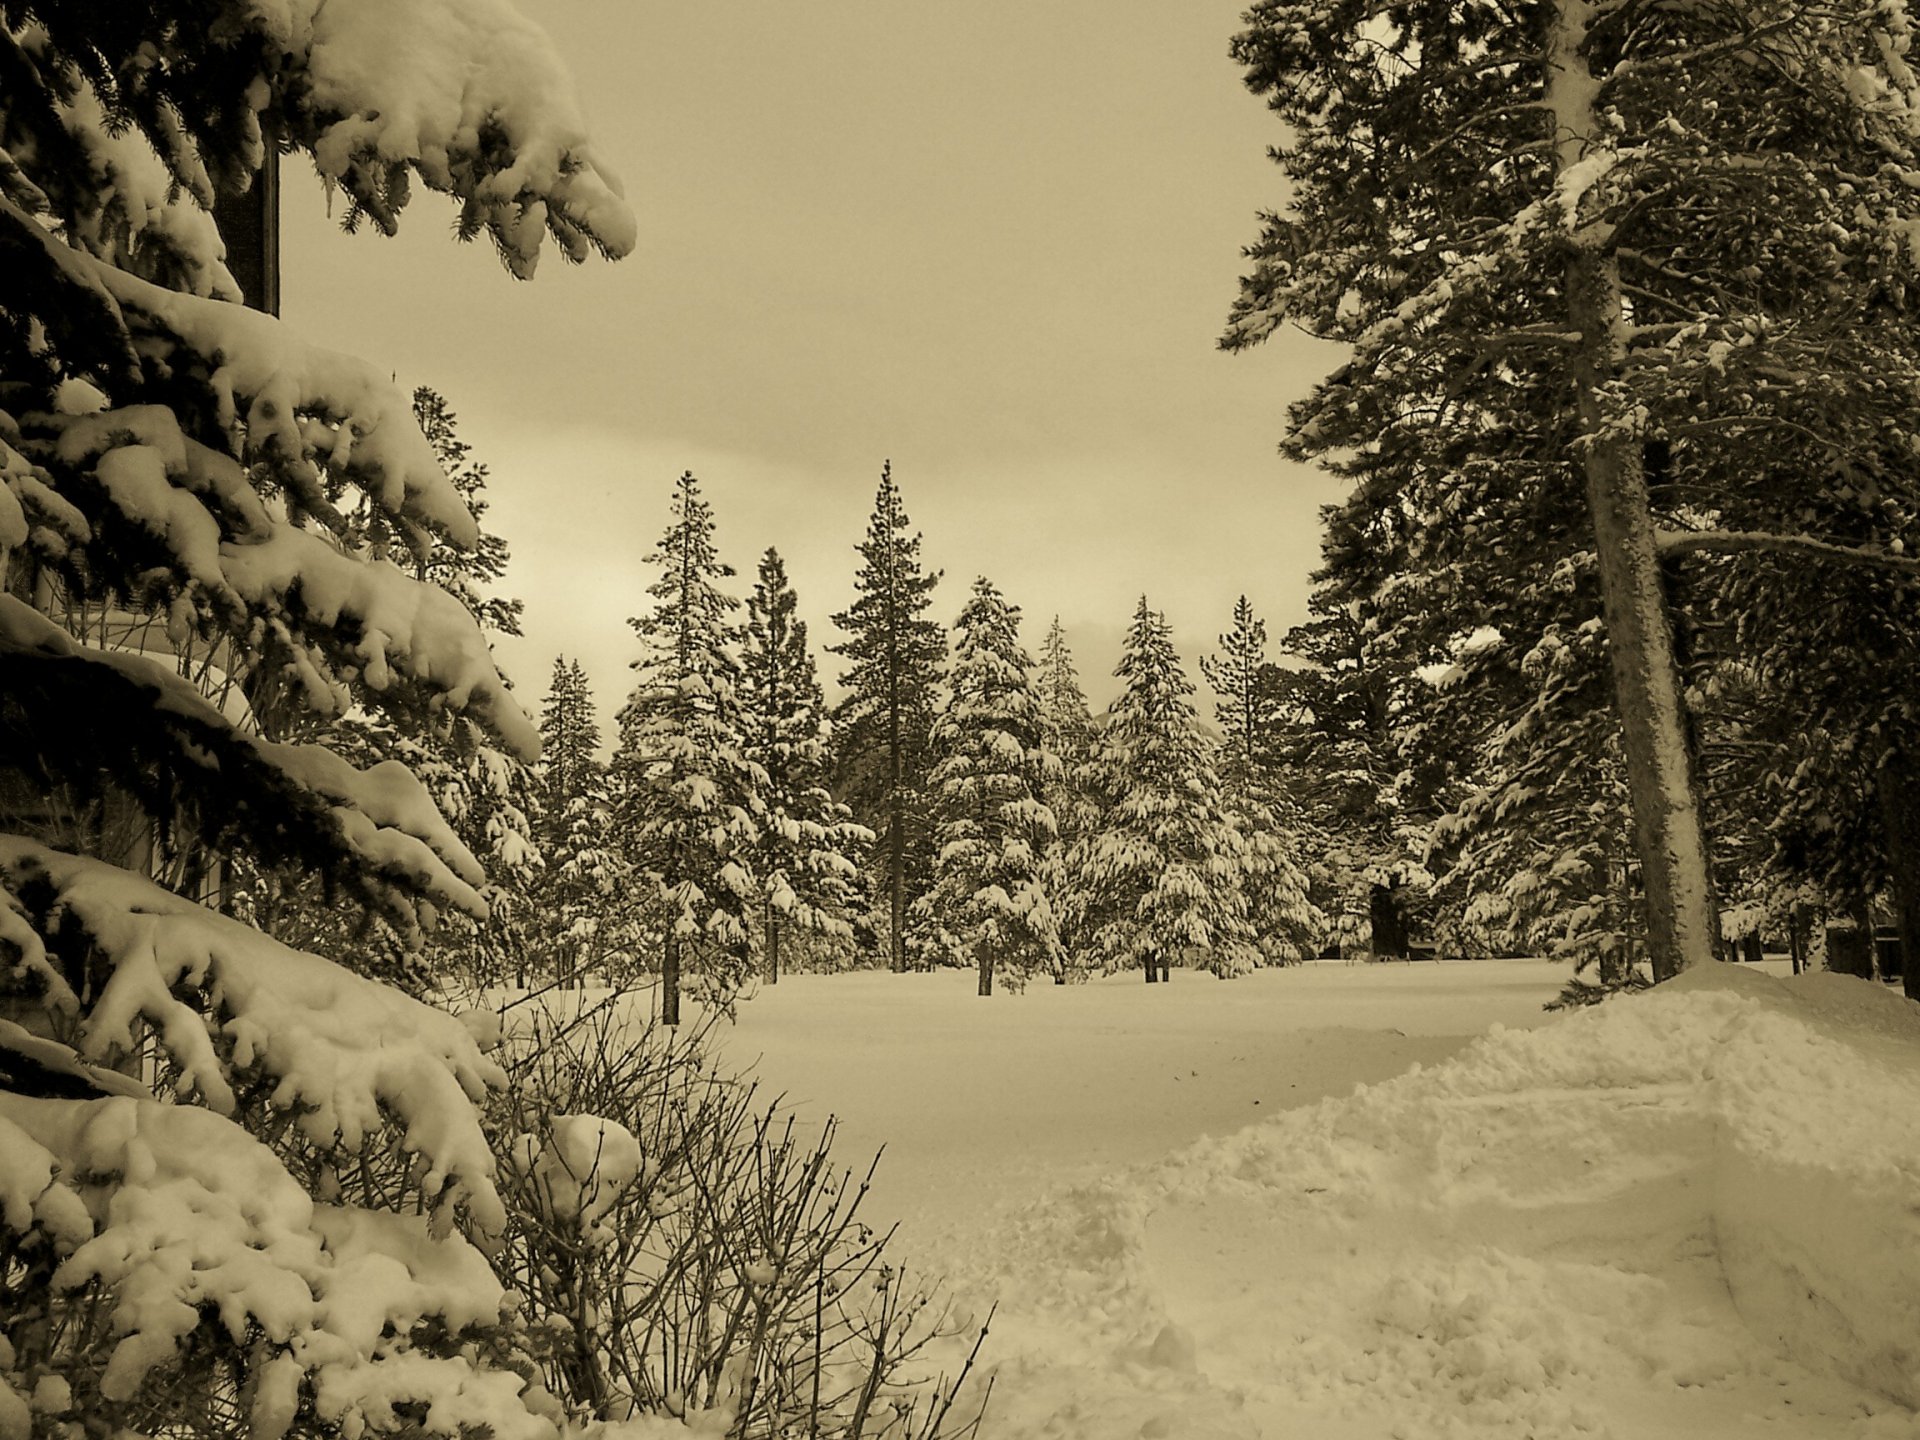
[(1689, 1214)]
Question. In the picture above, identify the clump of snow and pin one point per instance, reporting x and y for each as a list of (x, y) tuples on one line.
[(183, 1219), (471, 97), (348, 1054), (585, 1165)]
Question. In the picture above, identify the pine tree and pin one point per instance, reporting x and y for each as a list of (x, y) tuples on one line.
[(808, 843), (989, 905), (883, 728), (569, 744), (1604, 255), (1066, 729), (1164, 870), (691, 799), (1243, 685), (180, 482), (585, 912)]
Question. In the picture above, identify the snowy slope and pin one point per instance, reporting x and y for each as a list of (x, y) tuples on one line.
[(1689, 1214)]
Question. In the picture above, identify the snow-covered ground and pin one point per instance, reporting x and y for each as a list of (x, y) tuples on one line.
[(1695, 1213)]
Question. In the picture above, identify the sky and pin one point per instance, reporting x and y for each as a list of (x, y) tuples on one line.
[(994, 243)]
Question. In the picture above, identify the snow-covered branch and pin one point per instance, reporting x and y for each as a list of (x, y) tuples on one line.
[(349, 1056), (1683, 542)]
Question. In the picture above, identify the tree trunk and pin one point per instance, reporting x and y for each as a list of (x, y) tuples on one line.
[(1900, 823), (1389, 925), (986, 971), (670, 981), (1750, 950), (1850, 950), (1153, 969), (1668, 834), (897, 885), (773, 945), (1797, 936)]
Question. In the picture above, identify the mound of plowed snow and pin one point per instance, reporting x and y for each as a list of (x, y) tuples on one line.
[(1694, 1212)]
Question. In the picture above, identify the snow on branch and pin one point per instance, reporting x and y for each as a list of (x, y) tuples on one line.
[(468, 95), (224, 1002), (1683, 542), (187, 1223), (196, 508), (261, 373), (377, 830)]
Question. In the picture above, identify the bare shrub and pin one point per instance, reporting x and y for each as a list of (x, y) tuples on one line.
[(684, 1248)]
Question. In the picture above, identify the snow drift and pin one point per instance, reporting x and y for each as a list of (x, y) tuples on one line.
[(1692, 1212)]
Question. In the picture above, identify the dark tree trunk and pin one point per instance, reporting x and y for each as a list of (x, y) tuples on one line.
[(986, 972), (670, 981), (1797, 936), (1388, 922), (897, 885), (1669, 837), (1166, 970), (773, 945), (1900, 823), (1153, 969), (1750, 950), (249, 224), (1850, 950)]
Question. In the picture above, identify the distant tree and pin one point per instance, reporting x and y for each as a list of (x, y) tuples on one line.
[(569, 744), (584, 898), (1067, 731), (989, 904), (470, 572), (884, 726), (692, 800), (1164, 867), (806, 858), (1241, 677)]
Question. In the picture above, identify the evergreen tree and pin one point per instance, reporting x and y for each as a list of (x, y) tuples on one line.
[(1245, 695), (884, 726), (584, 894), (989, 905), (1164, 870), (808, 841), (1066, 729), (1594, 263), (691, 799), (569, 745), (180, 482)]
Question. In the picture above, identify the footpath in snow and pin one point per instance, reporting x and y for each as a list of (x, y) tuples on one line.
[(1694, 1213)]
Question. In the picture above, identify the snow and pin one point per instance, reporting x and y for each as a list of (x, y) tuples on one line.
[(1682, 1214), (348, 1055), (429, 84)]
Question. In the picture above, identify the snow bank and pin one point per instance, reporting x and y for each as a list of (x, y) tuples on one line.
[(1689, 1213)]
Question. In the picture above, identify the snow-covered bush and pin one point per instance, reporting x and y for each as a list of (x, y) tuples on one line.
[(236, 1179), (685, 1249)]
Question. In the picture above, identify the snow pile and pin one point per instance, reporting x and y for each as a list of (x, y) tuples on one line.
[(1690, 1213)]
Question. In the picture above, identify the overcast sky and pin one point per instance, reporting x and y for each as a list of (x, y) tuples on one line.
[(993, 241)]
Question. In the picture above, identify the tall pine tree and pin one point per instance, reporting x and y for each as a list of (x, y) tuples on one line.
[(584, 898), (1066, 729), (989, 905), (1245, 701), (805, 860), (1164, 869), (691, 799), (884, 726)]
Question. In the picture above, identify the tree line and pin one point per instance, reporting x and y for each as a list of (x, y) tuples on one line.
[(959, 806)]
